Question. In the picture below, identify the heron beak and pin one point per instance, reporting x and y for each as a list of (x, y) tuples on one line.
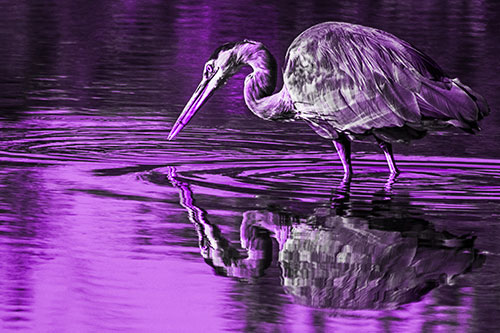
[(205, 89)]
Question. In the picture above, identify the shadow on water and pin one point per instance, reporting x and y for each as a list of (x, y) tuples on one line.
[(374, 254)]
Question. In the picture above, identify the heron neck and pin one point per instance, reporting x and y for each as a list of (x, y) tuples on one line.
[(260, 84)]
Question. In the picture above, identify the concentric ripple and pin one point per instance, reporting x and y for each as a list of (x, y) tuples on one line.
[(250, 162)]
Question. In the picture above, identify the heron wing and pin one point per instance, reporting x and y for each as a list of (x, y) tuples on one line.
[(354, 79)]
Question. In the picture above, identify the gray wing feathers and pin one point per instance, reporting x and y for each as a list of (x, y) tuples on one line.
[(355, 79)]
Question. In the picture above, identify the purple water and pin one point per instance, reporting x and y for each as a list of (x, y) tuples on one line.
[(239, 224)]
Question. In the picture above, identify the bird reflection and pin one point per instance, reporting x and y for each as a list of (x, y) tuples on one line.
[(347, 254)]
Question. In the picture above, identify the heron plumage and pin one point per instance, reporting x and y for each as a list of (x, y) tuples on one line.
[(351, 79), (348, 82)]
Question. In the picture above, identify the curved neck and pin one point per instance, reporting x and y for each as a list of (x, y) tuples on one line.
[(260, 84)]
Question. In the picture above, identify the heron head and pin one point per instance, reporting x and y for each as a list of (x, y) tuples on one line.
[(222, 64)]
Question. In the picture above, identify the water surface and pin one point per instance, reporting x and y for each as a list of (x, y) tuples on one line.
[(239, 224)]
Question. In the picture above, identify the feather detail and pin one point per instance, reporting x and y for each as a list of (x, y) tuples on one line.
[(455, 105), (260, 84), (360, 81)]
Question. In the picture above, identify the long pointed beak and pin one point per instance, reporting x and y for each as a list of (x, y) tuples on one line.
[(204, 90)]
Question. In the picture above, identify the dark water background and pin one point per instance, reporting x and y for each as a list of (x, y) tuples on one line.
[(104, 225)]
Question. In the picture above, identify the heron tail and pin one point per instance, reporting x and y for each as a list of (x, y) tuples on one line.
[(451, 102)]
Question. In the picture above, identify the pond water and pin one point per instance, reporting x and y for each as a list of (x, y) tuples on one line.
[(239, 224)]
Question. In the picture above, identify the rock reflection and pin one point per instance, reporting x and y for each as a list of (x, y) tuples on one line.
[(348, 256)]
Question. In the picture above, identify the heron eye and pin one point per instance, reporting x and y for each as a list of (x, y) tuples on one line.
[(209, 69)]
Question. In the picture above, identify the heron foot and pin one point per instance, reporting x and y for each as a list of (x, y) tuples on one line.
[(391, 180), (394, 172), (347, 177)]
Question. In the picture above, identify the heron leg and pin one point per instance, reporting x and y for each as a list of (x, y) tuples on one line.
[(387, 149), (343, 146)]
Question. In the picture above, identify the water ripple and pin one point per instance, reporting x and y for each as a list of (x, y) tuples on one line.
[(249, 162)]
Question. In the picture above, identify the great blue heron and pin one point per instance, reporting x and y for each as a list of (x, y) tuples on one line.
[(347, 82)]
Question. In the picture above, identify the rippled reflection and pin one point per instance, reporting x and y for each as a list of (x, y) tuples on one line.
[(340, 256)]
